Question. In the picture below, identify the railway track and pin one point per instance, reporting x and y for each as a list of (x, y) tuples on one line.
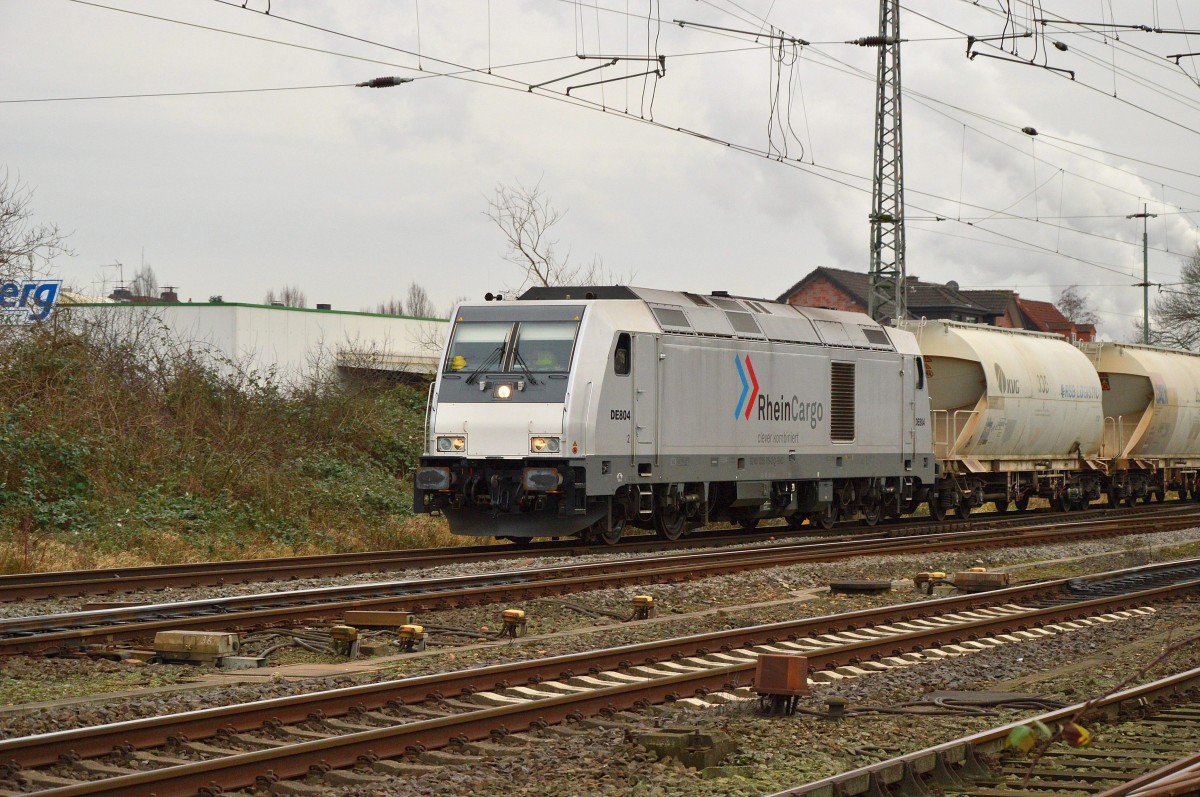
[(58, 632), (368, 726), (36, 586), (1154, 755)]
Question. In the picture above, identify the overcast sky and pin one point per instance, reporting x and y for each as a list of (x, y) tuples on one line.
[(352, 193)]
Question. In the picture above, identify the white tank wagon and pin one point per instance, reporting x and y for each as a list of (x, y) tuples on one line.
[(1014, 414), (579, 410), (1151, 399)]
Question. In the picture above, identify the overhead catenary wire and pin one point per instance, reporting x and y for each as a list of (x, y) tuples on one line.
[(467, 70), (588, 104)]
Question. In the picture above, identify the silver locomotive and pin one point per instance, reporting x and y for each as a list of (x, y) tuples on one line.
[(578, 411)]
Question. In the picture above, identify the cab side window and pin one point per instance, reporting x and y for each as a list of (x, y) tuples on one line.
[(621, 355)]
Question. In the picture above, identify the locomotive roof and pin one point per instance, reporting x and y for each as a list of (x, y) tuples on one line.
[(723, 315)]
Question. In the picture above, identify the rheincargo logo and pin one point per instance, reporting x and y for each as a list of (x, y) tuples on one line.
[(769, 409), (747, 392)]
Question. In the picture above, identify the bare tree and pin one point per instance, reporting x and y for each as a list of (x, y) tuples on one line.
[(392, 306), (526, 217), (22, 243), (1076, 306), (1176, 315), (144, 283), (418, 303), (288, 296)]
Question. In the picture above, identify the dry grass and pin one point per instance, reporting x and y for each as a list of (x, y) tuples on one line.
[(121, 446)]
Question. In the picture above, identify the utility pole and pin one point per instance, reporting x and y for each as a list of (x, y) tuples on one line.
[(1145, 283), (887, 193)]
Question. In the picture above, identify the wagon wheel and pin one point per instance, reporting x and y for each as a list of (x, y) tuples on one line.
[(520, 542), (825, 518), (963, 509), (670, 522), (1159, 496), (795, 522), (1022, 502), (748, 523), (936, 510), (618, 526), (1062, 503), (871, 512), (1001, 505), (1130, 500)]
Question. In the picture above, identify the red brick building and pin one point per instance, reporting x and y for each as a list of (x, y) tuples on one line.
[(838, 289)]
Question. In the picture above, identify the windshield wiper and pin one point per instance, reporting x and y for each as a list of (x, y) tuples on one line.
[(492, 358), (521, 362)]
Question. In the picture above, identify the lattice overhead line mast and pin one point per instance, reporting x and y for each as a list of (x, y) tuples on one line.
[(887, 294)]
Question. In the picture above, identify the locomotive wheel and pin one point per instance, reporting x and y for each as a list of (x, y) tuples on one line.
[(670, 523), (871, 514), (1130, 501), (520, 542), (826, 517), (749, 524), (1022, 502), (936, 510), (795, 522), (618, 527)]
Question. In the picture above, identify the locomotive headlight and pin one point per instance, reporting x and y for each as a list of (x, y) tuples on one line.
[(544, 445), (451, 443), (503, 391)]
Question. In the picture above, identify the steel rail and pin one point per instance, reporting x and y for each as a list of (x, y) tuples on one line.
[(247, 769), (57, 584), (880, 774), (1180, 777), (67, 630)]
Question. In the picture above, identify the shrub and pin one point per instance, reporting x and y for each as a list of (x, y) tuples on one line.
[(124, 442)]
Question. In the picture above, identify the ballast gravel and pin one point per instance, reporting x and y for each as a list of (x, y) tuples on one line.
[(775, 753)]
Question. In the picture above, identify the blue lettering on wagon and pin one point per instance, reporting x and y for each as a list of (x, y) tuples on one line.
[(1080, 392)]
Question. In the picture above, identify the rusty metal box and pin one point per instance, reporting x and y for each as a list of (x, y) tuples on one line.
[(367, 618), (781, 674)]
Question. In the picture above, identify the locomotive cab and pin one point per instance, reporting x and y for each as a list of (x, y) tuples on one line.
[(497, 458)]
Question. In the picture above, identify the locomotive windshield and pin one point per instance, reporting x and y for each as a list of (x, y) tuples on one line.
[(503, 346), (545, 346), (476, 342)]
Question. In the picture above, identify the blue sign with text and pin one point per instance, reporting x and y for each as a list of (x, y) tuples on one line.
[(28, 301)]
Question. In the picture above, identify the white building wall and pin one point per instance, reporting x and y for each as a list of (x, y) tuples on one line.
[(296, 343)]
